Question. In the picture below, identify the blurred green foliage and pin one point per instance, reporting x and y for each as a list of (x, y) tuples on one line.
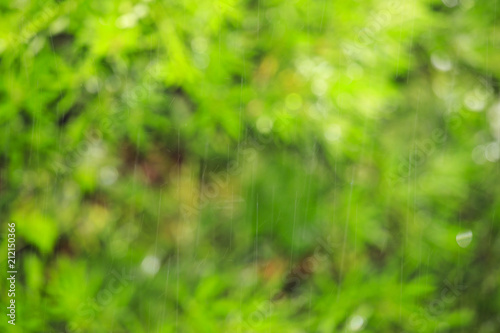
[(169, 163)]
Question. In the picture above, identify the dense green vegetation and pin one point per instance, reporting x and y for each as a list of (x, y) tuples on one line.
[(250, 166)]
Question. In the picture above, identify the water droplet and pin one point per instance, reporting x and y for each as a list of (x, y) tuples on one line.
[(92, 85), (305, 67), (150, 265), (319, 87), (494, 120), (59, 25), (333, 133), (479, 154), (356, 323), (450, 3), (3, 45), (493, 152), (199, 44), (475, 100), (464, 238), (264, 124), (201, 60), (37, 44), (141, 10), (126, 21), (441, 62), (108, 175)]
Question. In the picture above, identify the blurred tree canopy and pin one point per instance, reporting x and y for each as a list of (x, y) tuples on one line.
[(251, 166)]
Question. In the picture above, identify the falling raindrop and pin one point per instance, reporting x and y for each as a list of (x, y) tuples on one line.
[(464, 238)]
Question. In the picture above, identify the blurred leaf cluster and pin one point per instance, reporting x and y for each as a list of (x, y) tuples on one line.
[(169, 163)]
